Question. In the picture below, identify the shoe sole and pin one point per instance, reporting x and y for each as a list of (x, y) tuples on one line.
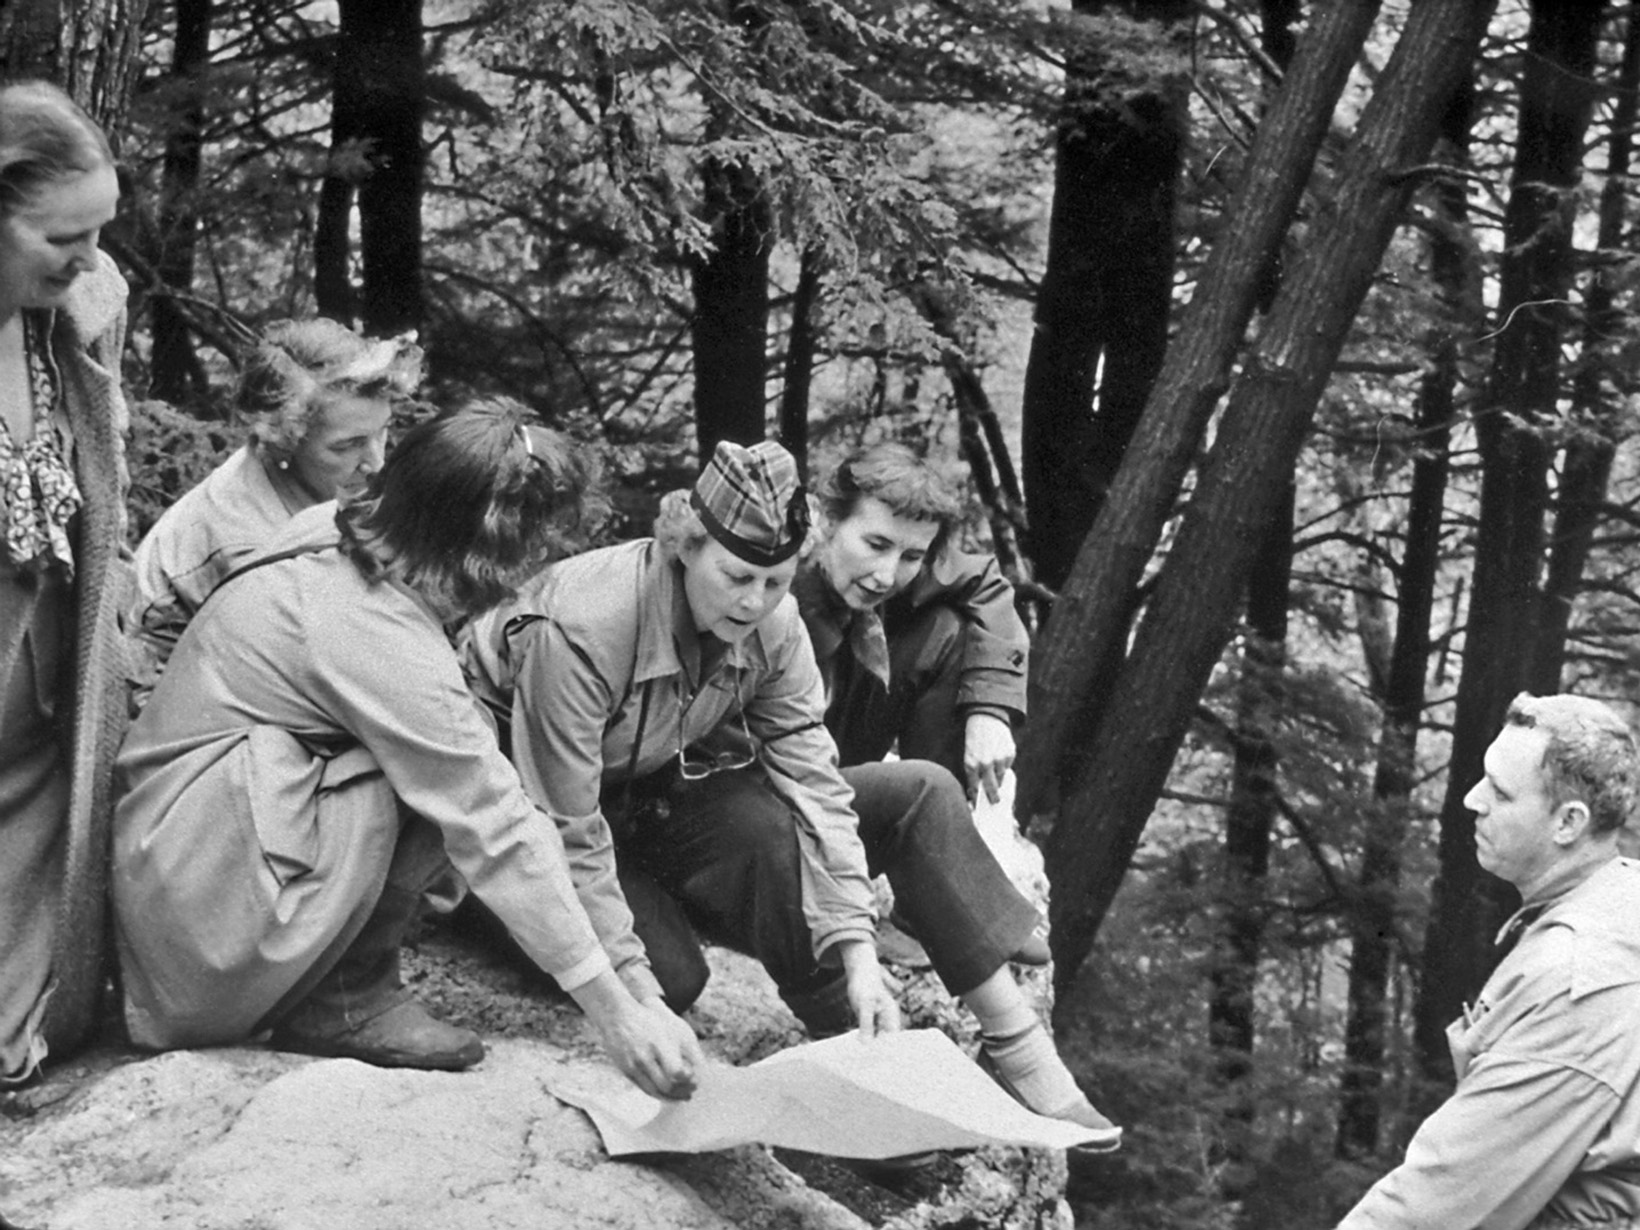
[(448, 1061)]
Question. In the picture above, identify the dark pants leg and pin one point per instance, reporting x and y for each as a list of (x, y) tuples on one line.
[(919, 709), (918, 831), (725, 849)]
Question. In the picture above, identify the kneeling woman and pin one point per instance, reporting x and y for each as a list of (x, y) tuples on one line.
[(311, 756), (666, 711)]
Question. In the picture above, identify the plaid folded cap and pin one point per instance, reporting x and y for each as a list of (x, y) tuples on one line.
[(753, 502)]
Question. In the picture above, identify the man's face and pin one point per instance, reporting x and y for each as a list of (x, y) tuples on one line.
[(874, 553), (1514, 812)]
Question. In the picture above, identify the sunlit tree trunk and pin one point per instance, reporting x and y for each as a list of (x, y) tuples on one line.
[(1556, 97), (89, 47)]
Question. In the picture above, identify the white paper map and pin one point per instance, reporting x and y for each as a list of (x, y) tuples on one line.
[(900, 1093)]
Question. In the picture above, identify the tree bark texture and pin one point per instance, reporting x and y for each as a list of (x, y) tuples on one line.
[(176, 375), (1197, 591), (1107, 290), (1596, 413), (1373, 920), (1556, 98), (89, 47), (801, 340), (1082, 645)]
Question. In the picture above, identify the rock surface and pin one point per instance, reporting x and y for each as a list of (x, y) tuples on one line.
[(250, 1139)]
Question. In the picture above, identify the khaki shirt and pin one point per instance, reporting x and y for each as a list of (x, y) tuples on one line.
[(570, 661), (1543, 1129)]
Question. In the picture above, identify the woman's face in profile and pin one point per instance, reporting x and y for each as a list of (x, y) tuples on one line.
[(727, 596), (345, 444), (52, 239)]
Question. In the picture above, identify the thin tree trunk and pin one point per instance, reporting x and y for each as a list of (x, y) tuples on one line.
[(1555, 104), (1373, 918), (1082, 644), (176, 374), (800, 347), (1191, 613)]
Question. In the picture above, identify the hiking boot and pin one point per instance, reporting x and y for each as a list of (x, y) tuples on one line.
[(404, 1036)]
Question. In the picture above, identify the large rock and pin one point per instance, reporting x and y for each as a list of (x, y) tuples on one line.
[(249, 1139)]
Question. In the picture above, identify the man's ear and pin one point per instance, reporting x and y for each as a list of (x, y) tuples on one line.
[(1571, 821)]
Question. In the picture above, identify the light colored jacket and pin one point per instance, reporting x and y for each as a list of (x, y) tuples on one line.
[(571, 660), (1543, 1130)]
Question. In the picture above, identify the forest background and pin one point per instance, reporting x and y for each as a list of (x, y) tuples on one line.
[(1284, 348)]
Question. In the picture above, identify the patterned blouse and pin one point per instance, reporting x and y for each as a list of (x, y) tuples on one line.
[(37, 488)]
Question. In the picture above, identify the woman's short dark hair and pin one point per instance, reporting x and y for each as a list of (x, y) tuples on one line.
[(469, 504), (892, 473), (44, 136)]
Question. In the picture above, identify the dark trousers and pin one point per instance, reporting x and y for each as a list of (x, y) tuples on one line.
[(721, 857), (918, 710)]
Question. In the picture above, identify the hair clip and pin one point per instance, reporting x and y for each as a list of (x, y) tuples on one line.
[(524, 434)]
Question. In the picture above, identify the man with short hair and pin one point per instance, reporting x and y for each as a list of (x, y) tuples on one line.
[(1543, 1129)]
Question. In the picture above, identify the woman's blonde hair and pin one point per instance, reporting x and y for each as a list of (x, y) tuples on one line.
[(299, 364)]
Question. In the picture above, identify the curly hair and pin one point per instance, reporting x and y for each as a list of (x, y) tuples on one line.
[(44, 136), (298, 364), (892, 473), (1590, 754), (470, 504)]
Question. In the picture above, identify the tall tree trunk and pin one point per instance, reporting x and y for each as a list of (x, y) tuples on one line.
[(175, 371), (376, 153), (1107, 289), (1373, 918), (1231, 1020), (1083, 642), (1231, 1023), (731, 320), (1556, 97), (800, 347), (1197, 590), (89, 47), (1586, 468)]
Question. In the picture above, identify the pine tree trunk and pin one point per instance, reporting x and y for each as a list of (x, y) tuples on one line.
[(1192, 610), (1556, 99), (1082, 645), (1373, 921), (1107, 289), (89, 47), (800, 347)]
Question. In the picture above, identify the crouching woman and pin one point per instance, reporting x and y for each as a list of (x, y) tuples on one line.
[(311, 758)]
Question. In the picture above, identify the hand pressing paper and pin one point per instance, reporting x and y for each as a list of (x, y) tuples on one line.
[(900, 1093)]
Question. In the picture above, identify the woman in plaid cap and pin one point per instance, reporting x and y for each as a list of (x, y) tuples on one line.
[(666, 711)]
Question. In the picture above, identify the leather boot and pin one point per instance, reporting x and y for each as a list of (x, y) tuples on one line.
[(360, 1009)]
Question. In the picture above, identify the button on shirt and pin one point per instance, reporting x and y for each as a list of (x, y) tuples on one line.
[(1543, 1129)]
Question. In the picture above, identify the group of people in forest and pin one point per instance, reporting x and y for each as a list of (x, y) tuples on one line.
[(344, 675), (352, 673)]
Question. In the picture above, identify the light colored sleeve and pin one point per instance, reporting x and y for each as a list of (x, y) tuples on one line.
[(787, 717), (1518, 1126), (388, 676), (561, 704)]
